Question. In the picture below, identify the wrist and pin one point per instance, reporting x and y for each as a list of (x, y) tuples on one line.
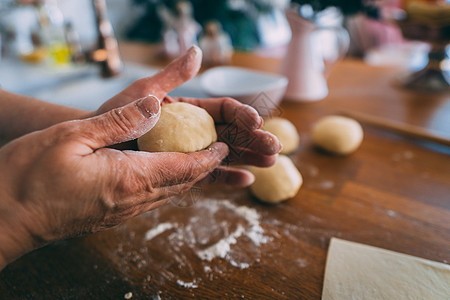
[(15, 240), (20, 115)]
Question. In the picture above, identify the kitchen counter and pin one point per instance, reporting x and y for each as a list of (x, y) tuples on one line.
[(393, 193)]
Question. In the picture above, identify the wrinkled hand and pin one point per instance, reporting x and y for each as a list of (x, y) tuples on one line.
[(64, 181), (237, 125)]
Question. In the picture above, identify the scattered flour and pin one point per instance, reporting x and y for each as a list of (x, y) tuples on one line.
[(391, 213), (200, 243), (253, 231), (156, 297), (158, 230), (403, 156), (188, 285), (302, 263), (326, 184), (241, 265), (256, 232), (222, 247), (194, 235), (207, 269)]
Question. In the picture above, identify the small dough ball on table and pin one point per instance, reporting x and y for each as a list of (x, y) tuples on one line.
[(276, 183), (182, 127), (285, 131), (337, 134)]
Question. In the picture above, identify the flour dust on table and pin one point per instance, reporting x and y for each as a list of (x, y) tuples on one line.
[(186, 247)]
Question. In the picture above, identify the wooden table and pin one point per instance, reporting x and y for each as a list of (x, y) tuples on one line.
[(394, 193)]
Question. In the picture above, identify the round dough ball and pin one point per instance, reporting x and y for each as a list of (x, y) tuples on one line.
[(278, 182), (285, 131), (182, 127), (337, 134)]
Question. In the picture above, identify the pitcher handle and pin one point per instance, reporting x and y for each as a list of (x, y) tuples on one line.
[(342, 44)]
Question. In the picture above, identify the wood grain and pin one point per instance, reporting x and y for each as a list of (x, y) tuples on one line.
[(397, 127), (392, 193)]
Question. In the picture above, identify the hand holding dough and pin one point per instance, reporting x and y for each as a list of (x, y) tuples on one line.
[(278, 182), (182, 127), (337, 134), (285, 131)]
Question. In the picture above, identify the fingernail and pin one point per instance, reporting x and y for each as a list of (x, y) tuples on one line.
[(279, 147), (274, 143), (261, 123), (252, 180), (249, 118), (221, 150), (195, 55), (149, 106), (196, 50)]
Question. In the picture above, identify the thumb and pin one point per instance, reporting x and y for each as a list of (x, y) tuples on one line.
[(122, 124)]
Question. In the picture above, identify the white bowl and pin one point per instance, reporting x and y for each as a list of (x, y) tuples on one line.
[(261, 90)]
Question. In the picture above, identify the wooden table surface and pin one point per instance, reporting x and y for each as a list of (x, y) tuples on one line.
[(394, 193)]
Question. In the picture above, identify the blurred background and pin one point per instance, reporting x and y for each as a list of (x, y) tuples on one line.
[(252, 25), (68, 34)]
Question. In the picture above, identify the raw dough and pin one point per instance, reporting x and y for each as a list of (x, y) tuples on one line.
[(278, 182), (285, 131), (337, 134), (356, 271), (182, 127)]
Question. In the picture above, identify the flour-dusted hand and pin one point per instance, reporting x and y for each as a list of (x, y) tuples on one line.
[(237, 125), (64, 181), (62, 178)]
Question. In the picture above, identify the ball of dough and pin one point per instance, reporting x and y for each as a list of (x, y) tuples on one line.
[(278, 182), (337, 134), (285, 131), (182, 127)]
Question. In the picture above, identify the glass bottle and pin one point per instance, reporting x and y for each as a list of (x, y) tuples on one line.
[(52, 32)]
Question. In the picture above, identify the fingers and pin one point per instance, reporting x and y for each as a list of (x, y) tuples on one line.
[(131, 210), (152, 177), (228, 110), (242, 156), (229, 176), (121, 124), (176, 73), (241, 124), (258, 140), (147, 206), (174, 169)]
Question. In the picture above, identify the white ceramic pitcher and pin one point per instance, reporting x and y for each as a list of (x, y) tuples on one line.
[(309, 56)]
